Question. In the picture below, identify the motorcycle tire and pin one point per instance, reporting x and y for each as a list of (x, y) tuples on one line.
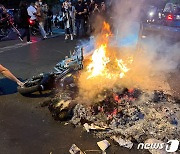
[(31, 86), (28, 90)]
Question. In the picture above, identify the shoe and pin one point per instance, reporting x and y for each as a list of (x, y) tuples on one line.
[(29, 42), (66, 37), (45, 37), (71, 37)]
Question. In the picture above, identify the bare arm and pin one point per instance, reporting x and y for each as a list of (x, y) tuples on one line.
[(4, 71)]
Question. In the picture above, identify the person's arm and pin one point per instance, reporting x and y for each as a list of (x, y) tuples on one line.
[(4, 71), (85, 10)]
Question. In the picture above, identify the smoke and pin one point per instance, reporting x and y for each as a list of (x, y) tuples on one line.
[(153, 57), (160, 54)]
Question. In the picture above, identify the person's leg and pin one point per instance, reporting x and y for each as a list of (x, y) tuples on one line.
[(73, 27), (82, 26), (66, 33), (50, 26), (41, 27), (46, 26), (71, 32), (77, 27), (28, 34)]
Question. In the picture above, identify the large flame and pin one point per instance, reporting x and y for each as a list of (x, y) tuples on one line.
[(100, 60)]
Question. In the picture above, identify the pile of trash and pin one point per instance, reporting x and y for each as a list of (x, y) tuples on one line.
[(124, 115)]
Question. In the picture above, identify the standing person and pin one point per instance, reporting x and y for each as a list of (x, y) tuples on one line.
[(91, 16), (4, 71), (91, 6), (96, 10), (80, 12), (56, 21), (103, 10), (66, 10), (73, 18), (24, 20), (86, 18), (49, 20), (40, 19), (44, 9), (32, 11)]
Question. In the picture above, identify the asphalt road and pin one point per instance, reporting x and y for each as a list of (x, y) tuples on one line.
[(25, 127)]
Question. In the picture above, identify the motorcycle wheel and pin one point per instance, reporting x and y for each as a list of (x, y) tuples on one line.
[(28, 90), (30, 86)]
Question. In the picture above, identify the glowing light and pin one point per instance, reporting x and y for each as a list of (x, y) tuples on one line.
[(170, 17), (99, 61), (102, 65)]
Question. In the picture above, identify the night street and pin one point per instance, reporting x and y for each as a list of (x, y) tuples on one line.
[(89, 77), (25, 126)]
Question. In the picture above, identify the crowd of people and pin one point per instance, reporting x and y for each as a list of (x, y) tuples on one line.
[(79, 18), (38, 12)]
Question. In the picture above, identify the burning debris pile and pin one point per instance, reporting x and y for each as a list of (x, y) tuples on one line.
[(132, 114), (104, 107)]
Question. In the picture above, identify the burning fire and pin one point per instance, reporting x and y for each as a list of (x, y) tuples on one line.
[(100, 60)]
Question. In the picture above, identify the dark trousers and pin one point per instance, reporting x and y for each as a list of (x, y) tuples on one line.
[(79, 27), (27, 33), (49, 25), (68, 30)]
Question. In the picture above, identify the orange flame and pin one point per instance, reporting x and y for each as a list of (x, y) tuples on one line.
[(100, 61)]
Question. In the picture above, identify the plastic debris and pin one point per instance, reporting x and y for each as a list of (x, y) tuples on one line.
[(75, 150), (125, 143), (93, 127), (86, 126), (103, 145)]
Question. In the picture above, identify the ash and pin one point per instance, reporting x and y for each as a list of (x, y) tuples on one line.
[(133, 114)]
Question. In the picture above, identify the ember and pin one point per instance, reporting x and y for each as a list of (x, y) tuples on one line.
[(101, 61), (134, 116)]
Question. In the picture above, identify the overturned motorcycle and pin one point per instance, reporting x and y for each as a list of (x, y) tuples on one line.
[(63, 75)]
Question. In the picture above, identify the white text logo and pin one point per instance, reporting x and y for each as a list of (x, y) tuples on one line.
[(170, 146)]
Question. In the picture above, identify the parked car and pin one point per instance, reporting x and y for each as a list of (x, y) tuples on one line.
[(171, 15)]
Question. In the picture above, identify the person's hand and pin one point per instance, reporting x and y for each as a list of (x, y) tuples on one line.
[(80, 13)]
